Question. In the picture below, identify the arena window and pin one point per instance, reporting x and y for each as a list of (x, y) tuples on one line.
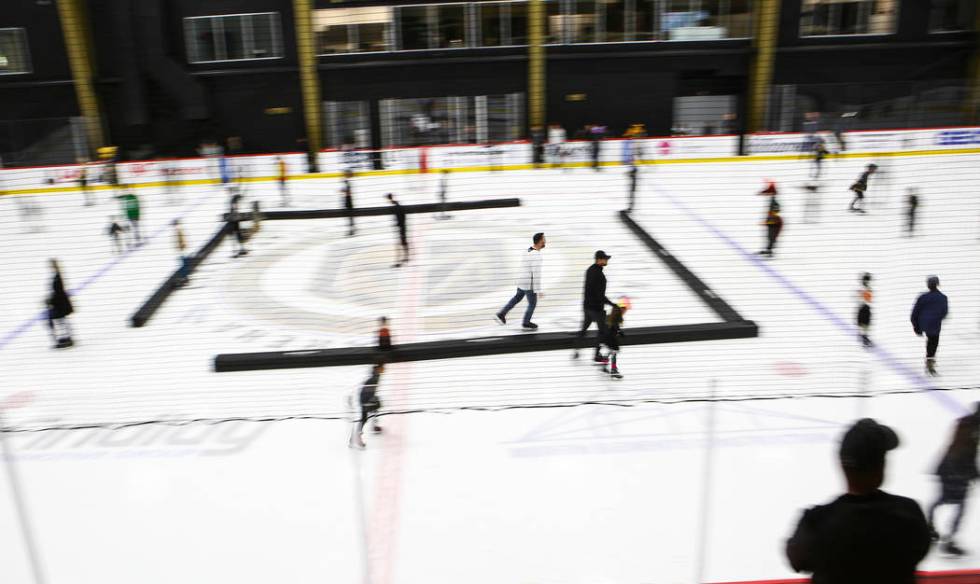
[(233, 37), (848, 17), (15, 57), (952, 15), (349, 30)]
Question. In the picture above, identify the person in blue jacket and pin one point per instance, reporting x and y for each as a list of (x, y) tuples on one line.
[(927, 317)]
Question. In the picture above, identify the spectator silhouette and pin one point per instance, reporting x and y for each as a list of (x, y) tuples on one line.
[(866, 536)]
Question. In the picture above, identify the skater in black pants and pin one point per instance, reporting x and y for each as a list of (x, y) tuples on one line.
[(632, 187), (400, 222), (369, 405), (859, 188), (235, 221), (773, 221), (595, 135), (819, 153), (956, 471), (913, 207), (83, 184), (348, 191), (927, 317), (537, 146), (616, 331), (864, 309), (59, 308), (444, 196), (115, 230), (593, 307)]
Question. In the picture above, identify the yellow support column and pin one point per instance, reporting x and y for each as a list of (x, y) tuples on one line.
[(763, 60), (309, 79), (74, 27), (536, 64)]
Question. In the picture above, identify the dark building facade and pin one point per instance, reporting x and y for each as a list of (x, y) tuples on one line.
[(170, 74)]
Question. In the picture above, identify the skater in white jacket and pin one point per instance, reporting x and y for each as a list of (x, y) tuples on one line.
[(529, 284)]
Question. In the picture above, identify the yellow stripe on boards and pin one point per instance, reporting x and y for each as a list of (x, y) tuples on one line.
[(501, 168)]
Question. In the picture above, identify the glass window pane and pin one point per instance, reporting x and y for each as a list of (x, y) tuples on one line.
[(234, 37), (647, 18), (337, 29), (840, 17), (953, 15), (348, 124), (615, 21), (331, 30), (451, 29), (373, 36), (490, 25), (581, 23), (518, 23), (14, 55), (414, 27), (739, 19), (686, 20), (200, 40), (553, 31), (265, 37)]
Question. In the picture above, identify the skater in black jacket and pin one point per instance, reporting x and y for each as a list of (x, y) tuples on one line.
[(59, 308), (633, 171), (369, 404), (593, 307), (859, 187), (348, 192), (912, 211), (401, 223)]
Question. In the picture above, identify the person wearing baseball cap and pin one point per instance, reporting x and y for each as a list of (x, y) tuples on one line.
[(593, 306), (865, 536)]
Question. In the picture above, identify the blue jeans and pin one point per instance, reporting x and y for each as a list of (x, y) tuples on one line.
[(532, 301), (185, 267)]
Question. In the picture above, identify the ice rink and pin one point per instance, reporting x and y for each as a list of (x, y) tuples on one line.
[(140, 463)]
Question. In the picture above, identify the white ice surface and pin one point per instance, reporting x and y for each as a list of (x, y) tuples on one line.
[(594, 493)]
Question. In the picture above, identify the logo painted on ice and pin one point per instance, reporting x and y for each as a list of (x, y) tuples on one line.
[(958, 137)]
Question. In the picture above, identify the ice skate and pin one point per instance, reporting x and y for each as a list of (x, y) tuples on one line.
[(356, 442), (530, 326), (951, 549), (614, 372), (931, 367), (500, 318)]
